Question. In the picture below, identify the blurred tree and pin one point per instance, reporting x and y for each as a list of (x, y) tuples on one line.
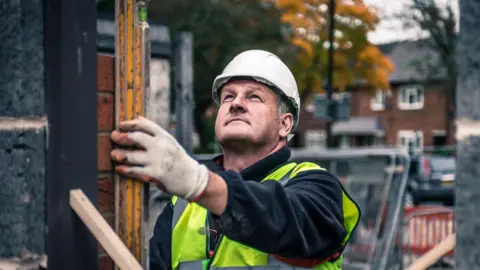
[(439, 23), (221, 30), (355, 58)]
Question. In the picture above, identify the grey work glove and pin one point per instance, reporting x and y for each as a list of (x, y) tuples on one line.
[(160, 159)]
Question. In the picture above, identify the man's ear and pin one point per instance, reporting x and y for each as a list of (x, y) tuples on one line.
[(286, 124)]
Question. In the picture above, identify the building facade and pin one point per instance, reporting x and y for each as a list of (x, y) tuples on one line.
[(414, 112)]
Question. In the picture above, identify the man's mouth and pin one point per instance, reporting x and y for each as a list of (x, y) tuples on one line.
[(236, 119)]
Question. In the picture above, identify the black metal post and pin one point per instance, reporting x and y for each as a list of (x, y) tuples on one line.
[(331, 29), (71, 102)]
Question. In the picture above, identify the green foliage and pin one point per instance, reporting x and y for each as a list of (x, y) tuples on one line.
[(221, 29)]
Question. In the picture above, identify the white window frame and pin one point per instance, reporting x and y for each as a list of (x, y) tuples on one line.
[(377, 102), (344, 141), (417, 91), (379, 140), (315, 138), (439, 132), (405, 137)]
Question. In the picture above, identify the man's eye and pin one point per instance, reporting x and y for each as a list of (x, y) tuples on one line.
[(255, 97), (227, 98)]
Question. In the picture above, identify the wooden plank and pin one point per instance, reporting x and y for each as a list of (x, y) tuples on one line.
[(434, 254), (132, 80), (104, 234)]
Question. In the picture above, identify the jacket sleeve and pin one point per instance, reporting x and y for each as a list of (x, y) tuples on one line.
[(160, 243), (302, 220)]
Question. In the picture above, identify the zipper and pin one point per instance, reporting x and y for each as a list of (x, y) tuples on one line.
[(220, 236), (210, 261), (207, 234), (217, 244)]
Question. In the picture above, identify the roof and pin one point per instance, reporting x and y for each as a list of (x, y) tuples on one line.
[(360, 125), (414, 60)]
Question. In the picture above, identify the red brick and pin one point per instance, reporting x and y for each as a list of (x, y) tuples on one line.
[(307, 122), (106, 194), (105, 111), (105, 73), (109, 217), (105, 262), (104, 147)]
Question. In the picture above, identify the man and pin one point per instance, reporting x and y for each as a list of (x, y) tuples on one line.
[(249, 207)]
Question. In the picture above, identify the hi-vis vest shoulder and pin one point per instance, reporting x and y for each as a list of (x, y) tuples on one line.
[(189, 237)]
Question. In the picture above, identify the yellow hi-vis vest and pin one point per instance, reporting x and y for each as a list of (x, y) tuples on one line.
[(190, 233)]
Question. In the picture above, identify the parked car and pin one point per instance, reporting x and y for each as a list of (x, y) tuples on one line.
[(431, 179)]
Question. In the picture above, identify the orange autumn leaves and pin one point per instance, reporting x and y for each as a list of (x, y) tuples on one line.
[(355, 58)]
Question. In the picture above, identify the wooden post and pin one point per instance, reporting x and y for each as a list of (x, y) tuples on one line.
[(132, 52)]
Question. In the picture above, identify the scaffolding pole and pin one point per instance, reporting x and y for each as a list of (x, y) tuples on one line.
[(132, 53)]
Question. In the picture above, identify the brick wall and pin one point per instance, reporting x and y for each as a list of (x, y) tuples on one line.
[(307, 122), (106, 120), (431, 117)]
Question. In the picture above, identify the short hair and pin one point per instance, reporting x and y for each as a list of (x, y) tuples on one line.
[(283, 106)]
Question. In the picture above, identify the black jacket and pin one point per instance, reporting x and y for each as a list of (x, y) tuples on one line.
[(304, 219)]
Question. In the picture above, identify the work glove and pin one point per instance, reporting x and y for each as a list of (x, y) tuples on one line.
[(158, 158)]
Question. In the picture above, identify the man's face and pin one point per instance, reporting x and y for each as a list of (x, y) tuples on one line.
[(248, 113)]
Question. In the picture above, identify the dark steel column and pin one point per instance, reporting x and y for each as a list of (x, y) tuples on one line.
[(71, 102)]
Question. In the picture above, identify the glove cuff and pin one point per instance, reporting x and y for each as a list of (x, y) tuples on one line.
[(199, 185)]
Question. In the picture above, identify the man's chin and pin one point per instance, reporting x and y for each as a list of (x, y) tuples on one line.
[(235, 138)]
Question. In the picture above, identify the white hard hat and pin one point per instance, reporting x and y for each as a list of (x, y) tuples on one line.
[(264, 67)]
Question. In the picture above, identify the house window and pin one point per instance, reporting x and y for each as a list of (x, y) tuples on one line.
[(344, 141), (439, 138), (315, 139), (377, 103), (377, 140), (411, 97), (413, 140)]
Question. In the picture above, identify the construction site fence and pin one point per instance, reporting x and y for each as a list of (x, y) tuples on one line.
[(423, 228)]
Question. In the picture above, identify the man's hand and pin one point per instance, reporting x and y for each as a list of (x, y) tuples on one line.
[(158, 158)]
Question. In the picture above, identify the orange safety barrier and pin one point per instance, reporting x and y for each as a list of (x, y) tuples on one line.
[(425, 227)]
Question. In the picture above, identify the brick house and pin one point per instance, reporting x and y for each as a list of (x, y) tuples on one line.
[(413, 112)]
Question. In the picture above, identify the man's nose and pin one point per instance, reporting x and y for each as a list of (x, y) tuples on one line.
[(237, 106)]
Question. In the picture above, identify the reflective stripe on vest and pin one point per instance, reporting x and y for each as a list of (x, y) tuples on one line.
[(190, 234), (272, 263)]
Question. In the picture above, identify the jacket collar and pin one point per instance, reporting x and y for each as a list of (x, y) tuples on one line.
[(259, 170)]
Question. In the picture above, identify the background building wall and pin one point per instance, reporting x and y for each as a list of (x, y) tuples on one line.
[(427, 119)]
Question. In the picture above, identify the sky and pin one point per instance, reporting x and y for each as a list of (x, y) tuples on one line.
[(390, 30)]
